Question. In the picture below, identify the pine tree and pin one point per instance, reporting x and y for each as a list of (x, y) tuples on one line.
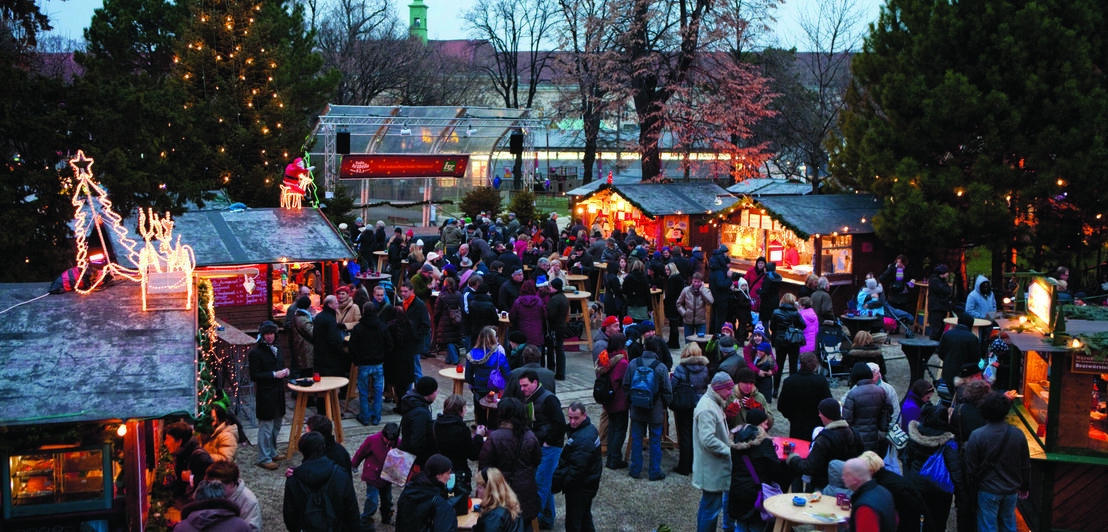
[(252, 82)]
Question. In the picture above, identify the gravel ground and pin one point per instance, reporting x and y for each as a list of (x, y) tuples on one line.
[(623, 504)]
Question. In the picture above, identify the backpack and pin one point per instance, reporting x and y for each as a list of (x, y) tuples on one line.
[(643, 386), (684, 395), (934, 469), (602, 390), (319, 513)]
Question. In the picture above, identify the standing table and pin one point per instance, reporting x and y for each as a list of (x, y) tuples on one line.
[(583, 298), (578, 280), (824, 515), (659, 310), (859, 323), (918, 351), (700, 339), (327, 389), (459, 378), (382, 256), (978, 323)]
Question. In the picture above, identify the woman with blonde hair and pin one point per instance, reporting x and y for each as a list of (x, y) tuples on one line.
[(499, 505), (691, 372)]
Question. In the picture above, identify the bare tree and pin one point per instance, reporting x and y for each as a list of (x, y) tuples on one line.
[(509, 36), (587, 34), (369, 45), (832, 32)]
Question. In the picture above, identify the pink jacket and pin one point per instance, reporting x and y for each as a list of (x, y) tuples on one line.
[(373, 451), (811, 327)]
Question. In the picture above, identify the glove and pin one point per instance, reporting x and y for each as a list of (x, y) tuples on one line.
[(733, 410)]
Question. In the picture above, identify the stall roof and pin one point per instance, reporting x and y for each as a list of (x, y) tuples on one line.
[(663, 199), (823, 215), (99, 356), (768, 186), (259, 236)]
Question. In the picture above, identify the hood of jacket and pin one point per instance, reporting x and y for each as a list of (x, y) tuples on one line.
[(411, 400), (209, 513), (483, 356), (314, 473), (751, 443), (613, 360), (927, 436), (977, 283), (694, 361)]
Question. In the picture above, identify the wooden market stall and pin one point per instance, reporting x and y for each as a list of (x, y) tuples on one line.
[(828, 235), (663, 213), (1061, 412), (257, 259), (84, 379)]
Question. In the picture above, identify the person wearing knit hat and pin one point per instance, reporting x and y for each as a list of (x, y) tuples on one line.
[(424, 499), (269, 399), (747, 396), (416, 425), (837, 441), (727, 329), (711, 469), (609, 321)]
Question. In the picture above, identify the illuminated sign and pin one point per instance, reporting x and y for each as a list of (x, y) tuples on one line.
[(1040, 296), (403, 166)]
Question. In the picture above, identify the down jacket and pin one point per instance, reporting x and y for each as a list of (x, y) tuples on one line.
[(837, 441), (581, 464), (743, 490), (868, 409), (446, 331), (693, 370), (529, 315), (693, 306), (517, 459)]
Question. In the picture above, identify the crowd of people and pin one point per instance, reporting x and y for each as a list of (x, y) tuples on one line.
[(450, 301)]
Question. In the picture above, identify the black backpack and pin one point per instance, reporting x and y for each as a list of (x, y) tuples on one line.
[(319, 513), (602, 390), (684, 395)]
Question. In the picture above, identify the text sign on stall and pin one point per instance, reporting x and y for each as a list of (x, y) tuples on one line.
[(232, 291), (1087, 364), (403, 166)]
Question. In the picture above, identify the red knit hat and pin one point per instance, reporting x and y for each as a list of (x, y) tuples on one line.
[(609, 321)]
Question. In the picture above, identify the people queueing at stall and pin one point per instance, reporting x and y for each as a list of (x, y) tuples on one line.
[(491, 298)]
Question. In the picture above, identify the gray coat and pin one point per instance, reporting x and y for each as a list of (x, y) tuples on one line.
[(657, 414), (711, 469)]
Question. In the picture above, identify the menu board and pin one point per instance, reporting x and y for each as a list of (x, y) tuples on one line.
[(231, 291), (1089, 364)]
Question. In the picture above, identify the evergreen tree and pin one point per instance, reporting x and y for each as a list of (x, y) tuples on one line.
[(252, 84), (976, 120)]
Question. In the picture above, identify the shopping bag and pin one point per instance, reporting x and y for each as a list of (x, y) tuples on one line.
[(398, 465)]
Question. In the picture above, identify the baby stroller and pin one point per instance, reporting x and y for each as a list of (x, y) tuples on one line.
[(833, 345)]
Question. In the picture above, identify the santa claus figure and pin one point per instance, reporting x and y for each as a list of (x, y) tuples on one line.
[(297, 176)]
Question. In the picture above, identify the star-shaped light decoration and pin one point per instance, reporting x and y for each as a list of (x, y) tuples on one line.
[(82, 165)]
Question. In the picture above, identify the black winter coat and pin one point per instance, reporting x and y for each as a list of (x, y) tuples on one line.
[(455, 441), (446, 331), (420, 320), (509, 293), (906, 499), (557, 312), (416, 434), (784, 317), (313, 476), (581, 464), (718, 266), (549, 423), (422, 507), (867, 409), (636, 289), (924, 441), (269, 391), (498, 520), (744, 491), (957, 346), (674, 285), (799, 402), (517, 459), (838, 441), (370, 341), (482, 313), (327, 344), (938, 294)]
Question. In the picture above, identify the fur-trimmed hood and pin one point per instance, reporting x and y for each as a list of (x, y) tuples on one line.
[(694, 361), (933, 438), (740, 446), (612, 362)]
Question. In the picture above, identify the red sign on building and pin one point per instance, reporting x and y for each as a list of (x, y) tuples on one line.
[(238, 290), (402, 166)]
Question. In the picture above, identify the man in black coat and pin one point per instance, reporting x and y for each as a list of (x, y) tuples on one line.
[(268, 372), (327, 341), (370, 341), (318, 474), (416, 425), (838, 441), (549, 425), (718, 282), (579, 469), (509, 290), (800, 397), (938, 300), (557, 316), (420, 320), (423, 506), (958, 346)]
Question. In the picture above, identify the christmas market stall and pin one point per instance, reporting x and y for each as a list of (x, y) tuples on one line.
[(1058, 368), (666, 214), (828, 235), (257, 259), (84, 379)]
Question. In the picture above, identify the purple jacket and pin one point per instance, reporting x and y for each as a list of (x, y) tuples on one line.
[(373, 451), (529, 315), (910, 411)]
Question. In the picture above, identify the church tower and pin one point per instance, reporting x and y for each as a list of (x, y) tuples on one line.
[(417, 26)]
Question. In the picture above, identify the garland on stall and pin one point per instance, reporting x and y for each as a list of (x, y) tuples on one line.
[(161, 493), (405, 205)]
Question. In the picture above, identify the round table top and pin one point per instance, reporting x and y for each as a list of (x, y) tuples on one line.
[(824, 512), (977, 322), (505, 320), (484, 401), (324, 384), (452, 373), (919, 341), (381, 253), (575, 277), (859, 317), (655, 291), (377, 277), (601, 265), (578, 295), (699, 338), (801, 450)]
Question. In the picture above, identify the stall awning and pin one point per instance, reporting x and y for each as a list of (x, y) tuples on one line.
[(663, 199), (823, 215), (69, 357), (259, 236)]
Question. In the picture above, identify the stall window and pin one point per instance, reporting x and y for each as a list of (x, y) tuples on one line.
[(836, 255)]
